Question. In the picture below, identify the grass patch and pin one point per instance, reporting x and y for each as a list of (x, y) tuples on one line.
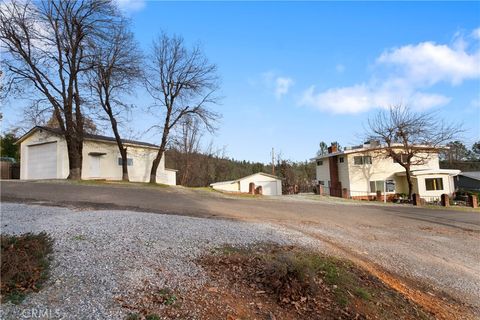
[(117, 183), (79, 237), (168, 297), (25, 264), (133, 316)]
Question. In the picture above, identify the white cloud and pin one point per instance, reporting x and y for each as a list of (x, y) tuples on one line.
[(429, 63), (130, 5), (476, 33), (340, 68), (282, 85), (475, 102), (362, 97), (402, 75)]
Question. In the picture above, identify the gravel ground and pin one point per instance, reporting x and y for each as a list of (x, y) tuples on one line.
[(101, 255)]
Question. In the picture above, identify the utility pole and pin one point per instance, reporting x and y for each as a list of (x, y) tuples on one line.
[(273, 161)]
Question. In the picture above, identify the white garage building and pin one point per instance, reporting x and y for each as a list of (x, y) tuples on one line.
[(43, 155), (271, 185)]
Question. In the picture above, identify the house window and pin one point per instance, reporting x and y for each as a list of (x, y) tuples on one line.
[(434, 184), (403, 158), (379, 185), (129, 162), (359, 160), (319, 162), (320, 182), (341, 159), (390, 184)]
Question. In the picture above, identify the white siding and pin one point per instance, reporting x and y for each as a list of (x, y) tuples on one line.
[(382, 168), (110, 169), (323, 172), (234, 186), (270, 186), (447, 181)]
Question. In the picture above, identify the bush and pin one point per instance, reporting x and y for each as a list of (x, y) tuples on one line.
[(25, 264)]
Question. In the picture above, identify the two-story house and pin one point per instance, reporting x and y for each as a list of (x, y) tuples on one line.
[(359, 172)]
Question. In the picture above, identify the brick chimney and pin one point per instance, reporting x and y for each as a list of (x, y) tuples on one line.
[(332, 148)]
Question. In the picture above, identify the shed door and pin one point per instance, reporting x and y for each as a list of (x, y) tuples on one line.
[(42, 161), (94, 166), (269, 188)]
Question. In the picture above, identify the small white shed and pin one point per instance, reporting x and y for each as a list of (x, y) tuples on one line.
[(271, 185)]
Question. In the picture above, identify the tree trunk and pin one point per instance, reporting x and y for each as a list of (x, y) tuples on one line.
[(75, 157), (123, 151), (409, 182), (155, 163), (161, 150)]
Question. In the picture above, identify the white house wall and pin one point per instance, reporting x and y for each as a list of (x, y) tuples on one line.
[(382, 168), (323, 172), (448, 185)]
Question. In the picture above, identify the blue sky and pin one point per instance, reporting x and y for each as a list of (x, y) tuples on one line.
[(296, 73)]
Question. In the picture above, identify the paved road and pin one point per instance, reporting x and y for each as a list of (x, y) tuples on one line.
[(433, 249)]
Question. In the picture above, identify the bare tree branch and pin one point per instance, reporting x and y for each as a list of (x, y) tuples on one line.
[(410, 137), (183, 84)]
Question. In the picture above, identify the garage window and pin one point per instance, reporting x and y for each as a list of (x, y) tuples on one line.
[(434, 184), (319, 162), (129, 162)]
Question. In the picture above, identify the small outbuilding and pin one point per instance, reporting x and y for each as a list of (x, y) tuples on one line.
[(43, 155), (468, 181), (271, 185)]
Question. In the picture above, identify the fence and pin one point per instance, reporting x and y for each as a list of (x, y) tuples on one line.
[(9, 170), (433, 201)]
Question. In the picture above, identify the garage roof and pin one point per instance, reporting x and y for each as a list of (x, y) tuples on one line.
[(87, 136), (243, 178)]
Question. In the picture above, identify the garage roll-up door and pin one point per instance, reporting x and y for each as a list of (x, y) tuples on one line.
[(269, 188), (42, 161)]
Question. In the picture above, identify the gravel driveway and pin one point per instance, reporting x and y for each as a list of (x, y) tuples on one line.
[(102, 255), (433, 250)]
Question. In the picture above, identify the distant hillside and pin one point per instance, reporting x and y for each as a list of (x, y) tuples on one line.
[(200, 170), (461, 165)]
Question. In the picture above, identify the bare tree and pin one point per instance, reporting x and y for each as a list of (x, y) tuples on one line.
[(116, 69), (410, 137), (47, 44), (187, 141), (183, 83)]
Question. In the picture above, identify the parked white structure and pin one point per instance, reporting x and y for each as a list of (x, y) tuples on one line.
[(271, 185), (360, 172), (43, 155)]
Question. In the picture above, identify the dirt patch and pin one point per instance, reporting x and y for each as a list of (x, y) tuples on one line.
[(278, 282), (439, 304), (25, 264)]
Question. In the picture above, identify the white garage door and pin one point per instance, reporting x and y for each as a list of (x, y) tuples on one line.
[(269, 188), (42, 161)]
